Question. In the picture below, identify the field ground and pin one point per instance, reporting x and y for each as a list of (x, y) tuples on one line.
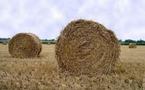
[(42, 73), (133, 55)]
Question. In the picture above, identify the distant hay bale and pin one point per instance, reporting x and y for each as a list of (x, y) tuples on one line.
[(4, 43), (25, 45), (132, 45), (87, 47)]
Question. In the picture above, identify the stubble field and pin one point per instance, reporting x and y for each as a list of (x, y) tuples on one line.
[(42, 73)]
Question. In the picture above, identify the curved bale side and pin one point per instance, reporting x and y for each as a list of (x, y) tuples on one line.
[(25, 45), (87, 47), (132, 45)]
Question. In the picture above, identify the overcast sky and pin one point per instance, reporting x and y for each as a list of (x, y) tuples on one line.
[(46, 18)]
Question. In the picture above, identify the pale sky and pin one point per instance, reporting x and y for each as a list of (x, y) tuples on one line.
[(46, 18)]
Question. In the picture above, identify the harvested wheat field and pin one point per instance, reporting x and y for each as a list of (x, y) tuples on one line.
[(42, 73)]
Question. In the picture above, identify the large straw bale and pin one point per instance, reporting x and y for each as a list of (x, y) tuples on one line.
[(87, 47)]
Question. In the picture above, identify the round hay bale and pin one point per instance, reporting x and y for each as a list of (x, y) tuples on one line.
[(25, 45), (132, 45), (87, 47), (4, 43)]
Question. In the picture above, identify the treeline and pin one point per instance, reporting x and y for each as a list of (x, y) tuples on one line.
[(44, 41), (53, 41), (126, 42), (4, 40)]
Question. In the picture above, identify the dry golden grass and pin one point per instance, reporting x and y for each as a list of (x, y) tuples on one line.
[(42, 73), (133, 55)]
